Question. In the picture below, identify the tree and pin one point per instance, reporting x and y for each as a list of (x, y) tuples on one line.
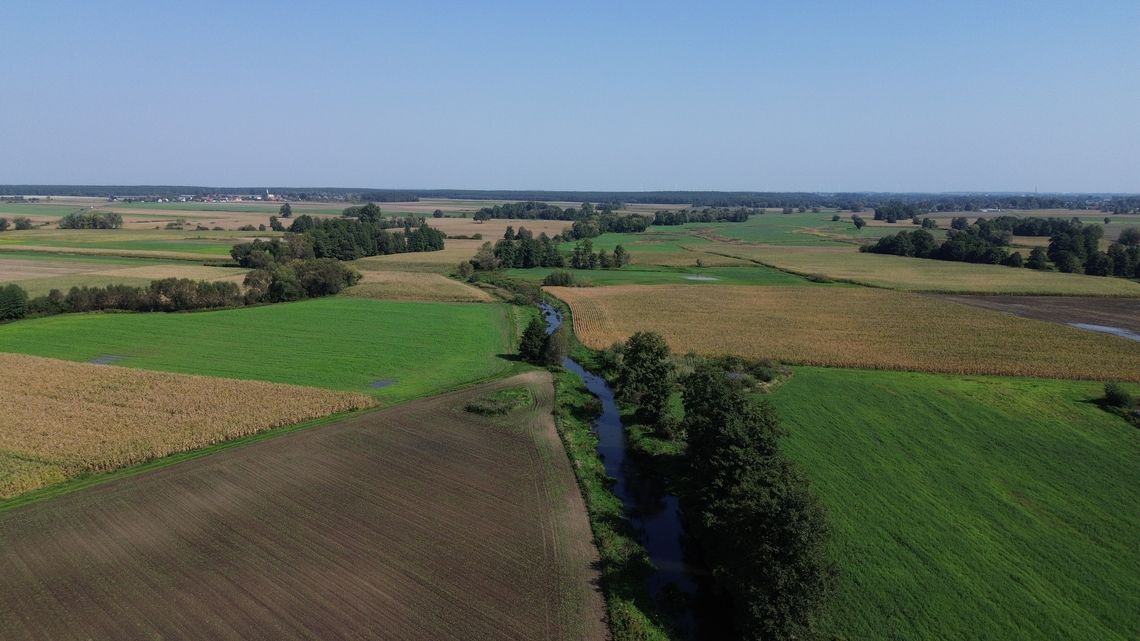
[(646, 375), (437, 213), (751, 513), (1129, 237), (275, 224), (858, 221), (13, 302), (22, 222), (485, 259), (621, 256), (533, 340), (3, 224), (1037, 259), (1116, 395), (482, 216), (286, 211), (1014, 260), (556, 346)]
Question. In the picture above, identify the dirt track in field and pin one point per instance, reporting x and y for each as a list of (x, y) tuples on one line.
[(418, 522)]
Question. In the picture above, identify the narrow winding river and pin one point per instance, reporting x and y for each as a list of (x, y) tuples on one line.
[(655, 513)]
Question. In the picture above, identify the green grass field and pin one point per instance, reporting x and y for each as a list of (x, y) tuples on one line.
[(971, 508), (336, 343), (656, 275)]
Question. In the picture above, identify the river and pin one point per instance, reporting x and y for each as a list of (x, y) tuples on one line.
[(654, 513)]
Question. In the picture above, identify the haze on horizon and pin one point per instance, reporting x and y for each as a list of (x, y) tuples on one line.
[(824, 96)]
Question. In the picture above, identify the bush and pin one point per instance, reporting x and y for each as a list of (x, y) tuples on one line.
[(1116, 395), (22, 222), (91, 220), (559, 279)]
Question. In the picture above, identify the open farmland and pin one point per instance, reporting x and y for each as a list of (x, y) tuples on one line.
[(443, 261), (847, 327), (741, 274), (393, 350), (154, 243), (418, 522), (62, 419), (415, 286), (971, 508), (39, 273), (922, 275)]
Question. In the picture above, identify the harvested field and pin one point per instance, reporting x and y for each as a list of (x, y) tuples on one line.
[(847, 327), (419, 522), (416, 286), (922, 275), (443, 261), (40, 273), (1112, 312), (63, 419)]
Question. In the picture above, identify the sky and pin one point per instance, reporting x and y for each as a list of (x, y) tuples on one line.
[(794, 95)]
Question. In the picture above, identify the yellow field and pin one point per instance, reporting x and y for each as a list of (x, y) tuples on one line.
[(415, 286), (921, 275), (445, 260), (63, 419), (847, 327)]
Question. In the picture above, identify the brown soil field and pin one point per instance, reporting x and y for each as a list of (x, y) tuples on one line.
[(847, 327), (1113, 312), (129, 253), (63, 419), (416, 286), (418, 522)]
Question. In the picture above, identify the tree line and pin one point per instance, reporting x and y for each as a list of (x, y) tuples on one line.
[(347, 239), (91, 220), (19, 223), (706, 215), (752, 520), (1074, 247)]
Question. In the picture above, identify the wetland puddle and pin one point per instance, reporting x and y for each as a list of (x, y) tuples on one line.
[(1108, 329)]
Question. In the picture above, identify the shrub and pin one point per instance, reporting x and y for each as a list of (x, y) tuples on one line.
[(559, 279), (22, 222), (1116, 395)]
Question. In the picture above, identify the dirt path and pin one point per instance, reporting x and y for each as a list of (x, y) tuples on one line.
[(419, 522)]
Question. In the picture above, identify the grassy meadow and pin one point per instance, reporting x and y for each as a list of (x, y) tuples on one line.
[(335, 343), (661, 275), (971, 507)]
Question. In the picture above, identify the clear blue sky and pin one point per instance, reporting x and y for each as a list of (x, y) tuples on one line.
[(795, 95)]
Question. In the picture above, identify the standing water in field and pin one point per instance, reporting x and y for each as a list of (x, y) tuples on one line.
[(654, 513)]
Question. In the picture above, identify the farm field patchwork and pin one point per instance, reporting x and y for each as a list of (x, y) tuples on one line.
[(658, 275), (418, 522), (393, 350), (214, 245), (970, 507), (923, 275), (39, 273), (847, 327), (425, 286), (62, 419)]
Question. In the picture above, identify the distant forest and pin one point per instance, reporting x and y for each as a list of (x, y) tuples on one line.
[(855, 201)]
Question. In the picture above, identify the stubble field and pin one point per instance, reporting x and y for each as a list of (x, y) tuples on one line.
[(418, 522), (847, 327)]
